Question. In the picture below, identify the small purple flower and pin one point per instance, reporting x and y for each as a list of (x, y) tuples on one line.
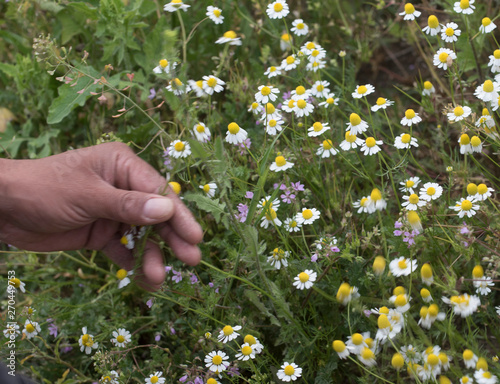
[(168, 268), (172, 330), (183, 378), (314, 257), (167, 161), (177, 276), (409, 237), (288, 197), (297, 187), (275, 186), (152, 94), (157, 337), (397, 232), (233, 371), (53, 329), (398, 224), (283, 187), (211, 285), (243, 212), (244, 146), (193, 278), (249, 195), (287, 95), (66, 349), (367, 312), (335, 249), (216, 290), (464, 230), (149, 303), (258, 122), (197, 380)]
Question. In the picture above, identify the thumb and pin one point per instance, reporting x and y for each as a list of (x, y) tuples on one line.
[(130, 207)]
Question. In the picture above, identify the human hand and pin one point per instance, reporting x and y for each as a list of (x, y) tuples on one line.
[(87, 198)]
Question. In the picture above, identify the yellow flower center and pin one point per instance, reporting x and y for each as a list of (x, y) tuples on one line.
[(179, 146), (464, 4), (233, 128), (376, 194), (272, 69), (362, 89), (363, 201), (379, 264), (458, 111), (370, 142), (449, 32), (357, 338), (290, 60), (330, 100), (381, 101), (176, 187), (433, 21), (354, 119), (246, 350), (303, 277), (206, 188), (289, 370), (468, 354), (464, 139), (307, 214), (466, 205), (270, 108), (398, 290), (310, 45), (315, 53), (120, 339), (471, 189), (482, 189), (320, 87), (272, 123), (87, 340), (317, 126), (291, 103), (405, 139), (154, 379), (397, 360), (402, 264), (285, 37), (443, 57), (163, 63), (350, 138), (271, 214), (211, 381), (413, 218), (278, 7), (433, 310), (199, 83), (496, 55), (367, 353), (384, 310), (413, 198), (486, 21), (216, 12), (478, 272), (425, 293), (432, 359), (30, 328), (427, 85), (176, 1), (410, 114), (327, 144), (293, 224), (230, 35), (249, 339), (121, 273), (475, 141), (338, 346), (482, 364), (211, 82), (488, 86), (431, 191), (200, 128), (301, 104), (280, 161), (300, 90), (177, 82), (409, 8), (487, 375), (424, 311), (400, 300), (464, 380), (265, 91), (300, 26), (409, 183), (124, 240), (227, 330), (15, 282)]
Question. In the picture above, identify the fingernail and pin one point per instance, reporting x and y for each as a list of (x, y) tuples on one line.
[(158, 209)]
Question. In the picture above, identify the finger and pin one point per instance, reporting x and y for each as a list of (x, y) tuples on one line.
[(185, 251), (151, 274), (117, 252)]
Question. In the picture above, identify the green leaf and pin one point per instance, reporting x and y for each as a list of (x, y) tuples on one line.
[(207, 204), (85, 9), (8, 69), (255, 300), (197, 149)]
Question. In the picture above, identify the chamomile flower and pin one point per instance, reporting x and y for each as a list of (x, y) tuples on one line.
[(341, 349), (209, 189), (414, 221), (410, 118), (216, 361), (459, 113), (465, 380), (463, 305), (413, 202), (230, 38), (177, 87), (121, 337), (356, 124), (15, 283), (246, 353), (31, 328), (351, 141), (278, 258), (483, 192), (164, 66), (409, 184), (175, 5), (428, 89), (280, 164), (300, 93), (381, 103), (274, 126), (470, 359), (329, 101), (123, 277), (326, 149), (278, 9), (307, 216), (366, 356), (487, 25), (272, 71), (428, 315), (433, 27), (495, 104), (285, 41), (485, 377), (402, 266), (112, 378), (308, 47), (317, 55), (291, 62), (87, 342), (346, 293), (483, 285), (355, 343), (235, 134), (179, 149), (363, 90), (215, 14), (431, 191), (228, 333), (410, 13), (266, 94), (197, 87), (464, 6), (315, 66), (371, 146), (155, 378), (376, 200), (364, 205), (303, 108), (289, 106), (270, 217), (488, 91), (269, 112), (465, 146), (266, 203), (466, 207), (450, 32), (299, 27), (291, 225), (443, 58), (212, 84), (317, 129), (494, 62), (289, 372), (254, 343), (201, 132), (11, 331), (256, 108), (405, 141), (320, 89), (305, 280), (475, 144)]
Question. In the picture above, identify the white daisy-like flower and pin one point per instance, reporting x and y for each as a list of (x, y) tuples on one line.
[(112, 378), (318, 129), (303, 108), (31, 328), (15, 283), (274, 126), (329, 101), (280, 164), (364, 205), (376, 200), (450, 32), (209, 189), (495, 104), (266, 94), (488, 91), (326, 149), (371, 146), (123, 277), (341, 349), (307, 216), (459, 113), (270, 217), (410, 118), (299, 27), (367, 356), (272, 71), (235, 134), (270, 113), (402, 301), (197, 87), (291, 225), (266, 203), (381, 103), (463, 305), (128, 240), (464, 6), (465, 380), (356, 124), (291, 62), (317, 55), (402, 266), (483, 285), (308, 47), (164, 66), (256, 108), (300, 93), (278, 258), (355, 343), (410, 354), (485, 377), (433, 27), (443, 58), (428, 315), (409, 184), (230, 38), (428, 89), (216, 361), (155, 378), (413, 202), (315, 66), (305, 280), (466, 207), (405, 141), (177, 87), (285, 41), (410, 13), (289, 372), (121, 337), (254, 343), (494, 62), (363, 90), (346, 293), (228, 333), (87, 342), (175, 5), (320, 89), (201, 132), (485, 121), (351, 141), (465, 146), (431, 191), (212, 84), (278, 9), (487, 25), (483, 192), (246, 353), (215, 14), (11, 331), (470, 359), (179, 149)]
